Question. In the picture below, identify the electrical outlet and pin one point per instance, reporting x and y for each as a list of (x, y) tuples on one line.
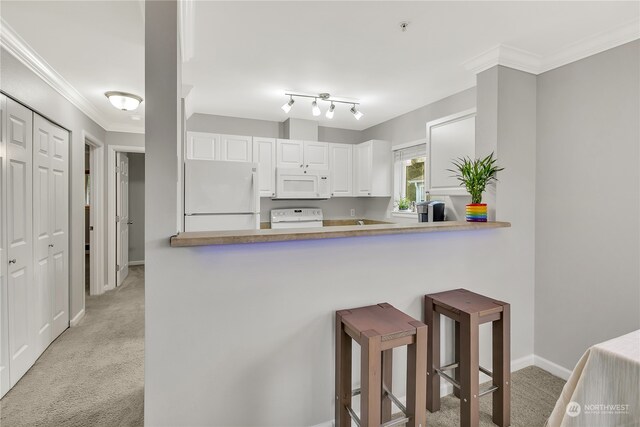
[(353, 212)]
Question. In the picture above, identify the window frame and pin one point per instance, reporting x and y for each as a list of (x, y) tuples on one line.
[(399, 174)]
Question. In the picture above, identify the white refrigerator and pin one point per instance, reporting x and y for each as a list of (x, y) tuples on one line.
[(221, 195)]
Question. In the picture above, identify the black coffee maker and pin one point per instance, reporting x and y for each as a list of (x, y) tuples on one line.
[(431, 211)]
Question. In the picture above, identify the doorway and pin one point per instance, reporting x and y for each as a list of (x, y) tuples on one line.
[(94, 215), (126, 212)]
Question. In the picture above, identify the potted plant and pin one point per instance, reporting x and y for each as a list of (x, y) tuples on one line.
[(403, 204), (475, 175)]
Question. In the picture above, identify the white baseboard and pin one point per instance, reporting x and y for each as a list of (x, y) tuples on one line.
[(552, 368), (134, 263), (76, 319)]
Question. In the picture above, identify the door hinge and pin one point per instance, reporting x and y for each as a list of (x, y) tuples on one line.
[(117, 267), (117, 218), (117, 169)]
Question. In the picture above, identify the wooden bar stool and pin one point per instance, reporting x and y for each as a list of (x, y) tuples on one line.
[(469, 310), (379, 329)]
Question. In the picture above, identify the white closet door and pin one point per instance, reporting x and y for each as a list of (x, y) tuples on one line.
[(20, 295), (4, 318), (122, 211), (59, 231), (42, 176)]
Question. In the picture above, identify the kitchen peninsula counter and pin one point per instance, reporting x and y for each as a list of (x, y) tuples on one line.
[(370, 228)]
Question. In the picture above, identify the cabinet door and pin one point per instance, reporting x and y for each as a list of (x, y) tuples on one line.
[(289, 153), (341, 162), (203, 146), (20, 295), (363, 160), (316, 155), (236, 148), (264, 153)]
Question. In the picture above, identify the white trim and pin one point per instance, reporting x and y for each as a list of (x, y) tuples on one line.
[(20, 49), (77, 318), (134, 263), (187, 29), (408, 144), (552, 368), (534, 63), (97, 213), (111, 209)]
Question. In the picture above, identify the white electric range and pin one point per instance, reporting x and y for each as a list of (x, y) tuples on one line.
[(296, 218)]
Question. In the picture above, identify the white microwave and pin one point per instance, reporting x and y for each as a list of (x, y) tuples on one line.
[(302, 184)]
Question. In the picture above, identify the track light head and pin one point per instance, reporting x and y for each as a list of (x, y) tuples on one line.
[(330, 111), (357, 114), (315, 110), (287, 107)]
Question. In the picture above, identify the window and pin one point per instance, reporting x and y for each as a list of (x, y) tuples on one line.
[(409, 177)]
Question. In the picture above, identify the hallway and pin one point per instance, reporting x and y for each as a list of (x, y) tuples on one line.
[(93, 374)]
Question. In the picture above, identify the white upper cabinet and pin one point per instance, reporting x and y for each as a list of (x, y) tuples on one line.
[(203, 146), (264, 153), (372, 169), (290, 153), (236, 148), (316, 155), (449, 138), (341, 162)]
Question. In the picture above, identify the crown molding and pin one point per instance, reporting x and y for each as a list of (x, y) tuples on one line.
[(11, 41), (533, 63)]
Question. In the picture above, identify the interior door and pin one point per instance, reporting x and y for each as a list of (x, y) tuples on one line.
[(122, 218), (4, 331), (21, 304), (59, 231), (42, 177)]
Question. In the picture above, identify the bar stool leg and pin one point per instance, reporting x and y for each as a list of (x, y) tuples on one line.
[(469, 371), (370, 379), (417, 378), (456, 357), (432, 319), (343, 375), (387, 381), (502, 368)]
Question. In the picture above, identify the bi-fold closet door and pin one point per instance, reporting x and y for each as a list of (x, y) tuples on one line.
[(34, 266)]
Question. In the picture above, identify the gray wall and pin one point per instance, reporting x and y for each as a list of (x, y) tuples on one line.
[(20, 83), (136, 206), (588, 203), (125, 139), (413, 125)]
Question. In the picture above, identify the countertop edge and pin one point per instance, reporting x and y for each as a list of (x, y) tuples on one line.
[(191, 239)]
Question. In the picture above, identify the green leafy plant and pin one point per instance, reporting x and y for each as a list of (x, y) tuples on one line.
[(403, 204), (476, 174)]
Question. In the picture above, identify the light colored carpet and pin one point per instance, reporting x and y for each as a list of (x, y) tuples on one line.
[(93, 374)]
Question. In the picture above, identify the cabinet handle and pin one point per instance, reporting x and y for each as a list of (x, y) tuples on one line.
[(369, 194), (51, 245), (306, 166), (12, 261), (301, 166), (130, 222)]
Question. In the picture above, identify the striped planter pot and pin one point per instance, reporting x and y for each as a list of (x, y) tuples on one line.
[(477, 212)]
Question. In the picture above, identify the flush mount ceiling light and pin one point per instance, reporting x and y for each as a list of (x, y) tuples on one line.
[(315, 108), (357, 114), (287, 107), (123, 100)]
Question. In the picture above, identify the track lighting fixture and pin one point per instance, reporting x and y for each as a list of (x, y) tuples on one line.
[(329, 114), (357, 114), (315, 108), (287, 107)]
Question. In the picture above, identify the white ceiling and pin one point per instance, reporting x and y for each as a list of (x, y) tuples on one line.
[(96, 46), (247, 54)]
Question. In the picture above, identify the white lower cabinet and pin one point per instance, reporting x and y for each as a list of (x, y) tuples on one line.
[(341, 167), (372, 169), (34, 288)]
